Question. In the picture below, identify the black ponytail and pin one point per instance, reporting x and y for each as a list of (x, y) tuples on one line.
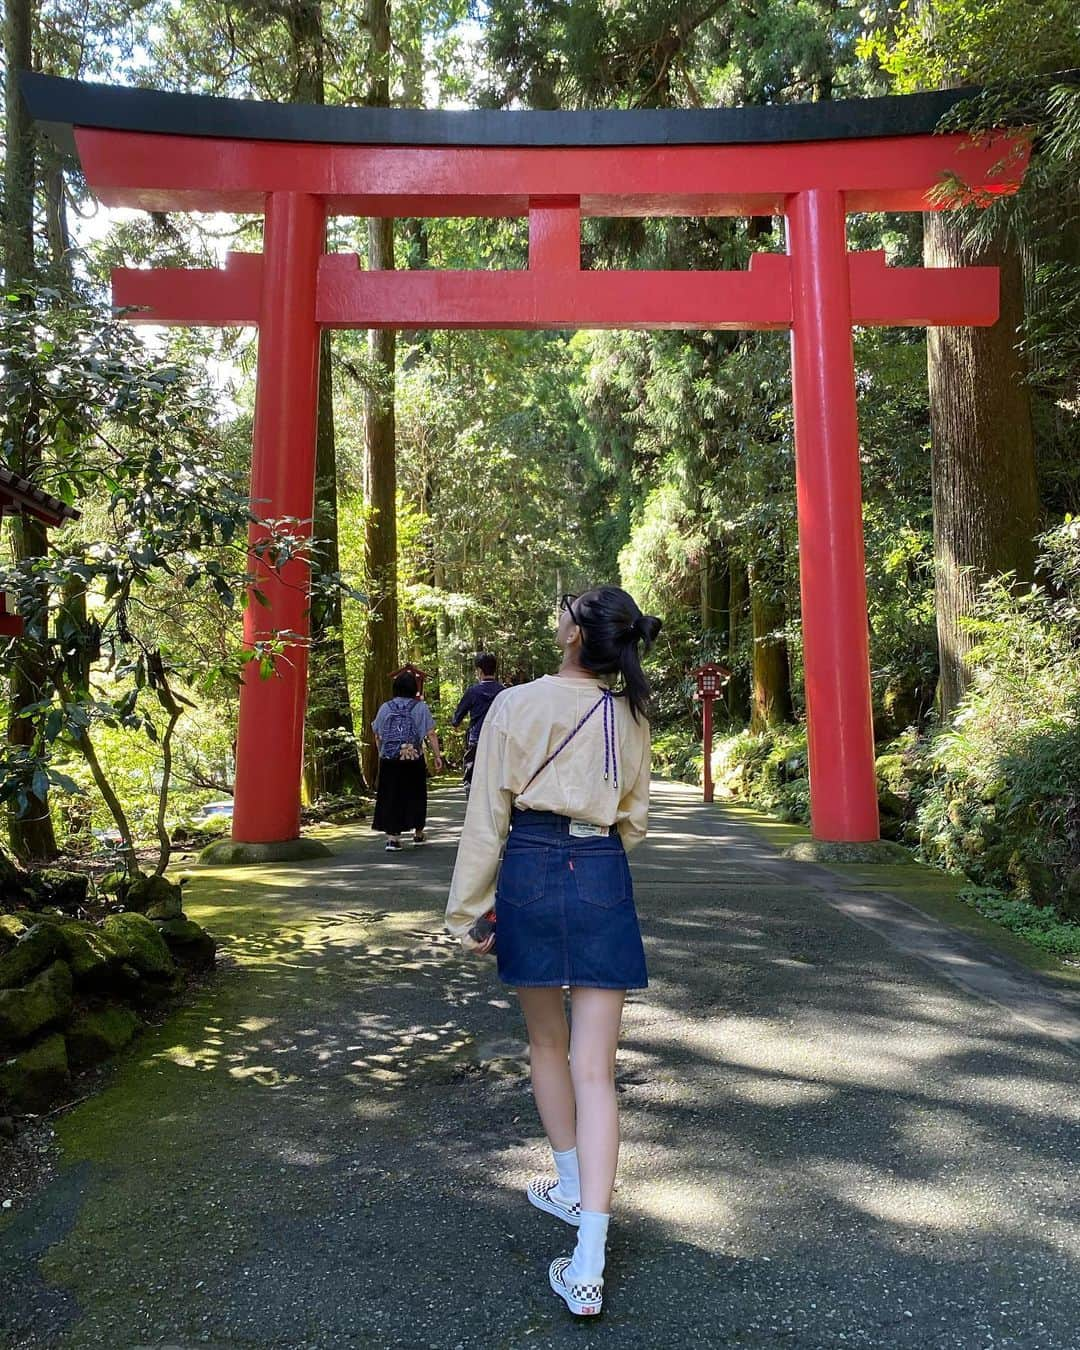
[(612, 627)]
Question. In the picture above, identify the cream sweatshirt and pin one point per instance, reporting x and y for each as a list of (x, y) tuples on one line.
[(523, 727)]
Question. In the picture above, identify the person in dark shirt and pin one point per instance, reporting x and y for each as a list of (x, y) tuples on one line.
[(474, 704)]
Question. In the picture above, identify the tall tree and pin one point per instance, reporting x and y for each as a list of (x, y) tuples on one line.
[(986, 500), (986, 506), (239, 48), (331, 759), (770, 702), (380, 471), (32, 834)]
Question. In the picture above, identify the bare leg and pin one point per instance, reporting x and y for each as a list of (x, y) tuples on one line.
[(595, 1017), (549, 1043)]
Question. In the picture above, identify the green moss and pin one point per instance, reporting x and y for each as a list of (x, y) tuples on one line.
[(230, 853), (44, 1002), (31, 1080), (11, 929), (874, 852), (34, 950), (140, 944), (96, 1035), (91, 953)]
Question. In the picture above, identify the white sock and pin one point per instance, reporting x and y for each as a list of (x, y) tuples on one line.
[(569, 1187), (587, 1262)]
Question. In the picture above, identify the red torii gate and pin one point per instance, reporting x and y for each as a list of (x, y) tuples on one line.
[(812, 164)]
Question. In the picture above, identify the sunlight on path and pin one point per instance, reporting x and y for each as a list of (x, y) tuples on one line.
[(826, 1142)]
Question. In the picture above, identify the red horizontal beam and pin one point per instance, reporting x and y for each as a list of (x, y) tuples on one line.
[(212, 296), (561, 297), (195, 173), (921, 297), (557, 298)]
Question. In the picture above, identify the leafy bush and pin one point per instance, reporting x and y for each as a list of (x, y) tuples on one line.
[(676, 755), (1034, 923), (1001, 800), (769, 769)]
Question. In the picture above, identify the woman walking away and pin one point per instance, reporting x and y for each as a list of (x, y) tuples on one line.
[(401, 726), (562, 768)]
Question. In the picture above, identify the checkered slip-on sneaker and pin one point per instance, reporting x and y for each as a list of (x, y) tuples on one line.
[(584, 1299), (539, 1191)]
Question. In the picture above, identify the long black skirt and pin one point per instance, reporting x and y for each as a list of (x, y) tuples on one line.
[(401, 796)]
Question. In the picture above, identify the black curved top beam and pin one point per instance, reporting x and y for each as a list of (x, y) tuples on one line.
[(59, 105)]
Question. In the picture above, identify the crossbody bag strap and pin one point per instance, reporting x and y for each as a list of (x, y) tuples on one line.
[(605, 699)]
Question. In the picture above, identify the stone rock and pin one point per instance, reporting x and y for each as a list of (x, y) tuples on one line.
[(92, 954), (34, 950), (140, 944), (35, 1077), (45, 1001), (232, 853), (30, 917), (144, 892), (188, 942), (94, 1036), (169, 907), (892, 804), (11, 929), (1033, 879), (890, 772), (65, 890), (822, 851), (157, 989), (127, 980), (7, 1128), (892, 827)]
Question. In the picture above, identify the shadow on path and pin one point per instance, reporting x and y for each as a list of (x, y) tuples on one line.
[(826, 1143)]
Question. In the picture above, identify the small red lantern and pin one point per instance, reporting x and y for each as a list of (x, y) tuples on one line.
[(11, 625), (711, 679)]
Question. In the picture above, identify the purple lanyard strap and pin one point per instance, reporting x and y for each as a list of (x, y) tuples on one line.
[(606, 701)]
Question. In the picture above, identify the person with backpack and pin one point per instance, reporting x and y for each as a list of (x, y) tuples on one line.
[(401, 727), (474, 704), (562, 779)]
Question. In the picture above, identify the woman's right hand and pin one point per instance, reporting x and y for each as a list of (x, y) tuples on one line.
[(475, 948)]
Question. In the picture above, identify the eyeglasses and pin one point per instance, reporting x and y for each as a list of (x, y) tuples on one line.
[(566, 603)]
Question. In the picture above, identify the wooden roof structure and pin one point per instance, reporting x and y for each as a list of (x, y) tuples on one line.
[(18, 496)]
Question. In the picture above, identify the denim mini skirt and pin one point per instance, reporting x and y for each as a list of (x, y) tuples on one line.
[(564, 908)]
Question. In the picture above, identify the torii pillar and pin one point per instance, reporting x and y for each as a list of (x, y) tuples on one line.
[(270, 735)]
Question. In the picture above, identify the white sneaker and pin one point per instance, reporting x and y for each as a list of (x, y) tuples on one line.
[(540, 1192), (584, 1298)]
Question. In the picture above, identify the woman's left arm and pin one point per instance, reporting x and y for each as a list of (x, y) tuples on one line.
[(634, 807), (487, 822), (433, 741)]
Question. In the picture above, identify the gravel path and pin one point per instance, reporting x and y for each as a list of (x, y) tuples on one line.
[(829, 1141)]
